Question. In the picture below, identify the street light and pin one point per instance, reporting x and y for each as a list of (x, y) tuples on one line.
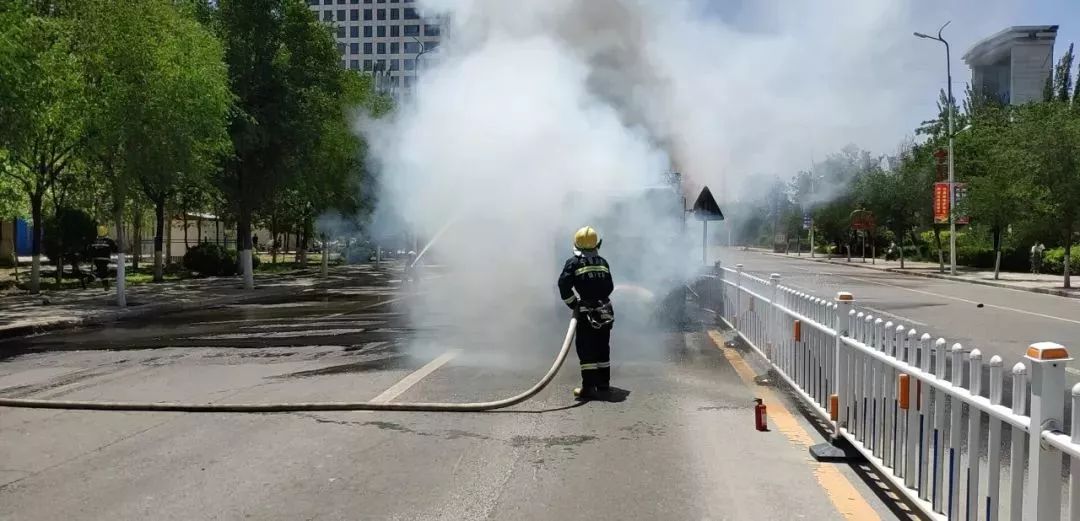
[(416, 63), (952, 135)]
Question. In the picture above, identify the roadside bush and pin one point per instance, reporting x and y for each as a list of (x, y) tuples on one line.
[(68, 234), (205, 259), (209, 259), (1054, 261)]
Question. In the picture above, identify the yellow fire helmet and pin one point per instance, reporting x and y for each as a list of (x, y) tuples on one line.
[(586, 238), (102, 231)]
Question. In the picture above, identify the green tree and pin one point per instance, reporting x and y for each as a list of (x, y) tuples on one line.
[(895, 195), (284, 69), (45, 106), (1051, 134)]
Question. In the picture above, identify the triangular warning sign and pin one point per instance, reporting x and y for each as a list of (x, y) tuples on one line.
[(706, 209)]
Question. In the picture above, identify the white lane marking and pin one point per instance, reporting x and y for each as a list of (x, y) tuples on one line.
[(399, 388), (958, 299), (894, 315), (361, 308), (875, 310)]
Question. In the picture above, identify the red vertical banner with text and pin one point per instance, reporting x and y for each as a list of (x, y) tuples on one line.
[(941, 203)]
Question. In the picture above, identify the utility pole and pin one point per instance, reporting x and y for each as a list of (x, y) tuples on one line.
[(952, 135)]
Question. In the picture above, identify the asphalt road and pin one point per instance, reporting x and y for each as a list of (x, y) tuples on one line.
[(1005, 325), (682, 446)]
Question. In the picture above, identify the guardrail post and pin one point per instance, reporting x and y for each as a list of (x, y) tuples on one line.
[(1074, 463), (1016, 451), (838, 402), (772, 318), (738, 298), (1047, 361)]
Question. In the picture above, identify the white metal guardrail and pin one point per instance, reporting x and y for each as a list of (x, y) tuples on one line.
[(898, 397)]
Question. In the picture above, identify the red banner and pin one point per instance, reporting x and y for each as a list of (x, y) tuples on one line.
[(941, 203)]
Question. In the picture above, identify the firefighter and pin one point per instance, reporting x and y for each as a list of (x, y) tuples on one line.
[(101, 253), (589, 275)]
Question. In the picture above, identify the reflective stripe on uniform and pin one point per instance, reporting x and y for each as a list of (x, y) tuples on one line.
[(591, 269), (587, 367), (570, 299), (603, 365)]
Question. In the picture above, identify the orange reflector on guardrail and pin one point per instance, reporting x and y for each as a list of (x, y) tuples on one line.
[(1047, 351), (834, 407), (905, 388), (798, 330)]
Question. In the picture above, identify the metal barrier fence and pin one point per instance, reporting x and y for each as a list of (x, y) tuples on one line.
[(898, 397)]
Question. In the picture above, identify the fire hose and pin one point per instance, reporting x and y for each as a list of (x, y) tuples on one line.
[(302, 406)]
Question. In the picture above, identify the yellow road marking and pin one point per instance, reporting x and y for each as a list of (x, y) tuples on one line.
[(843, 495)]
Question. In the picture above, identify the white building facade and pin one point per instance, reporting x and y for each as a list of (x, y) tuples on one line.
[(388, 38)]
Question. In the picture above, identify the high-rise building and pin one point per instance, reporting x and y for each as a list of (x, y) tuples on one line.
[(388, 38), (1013, 65)]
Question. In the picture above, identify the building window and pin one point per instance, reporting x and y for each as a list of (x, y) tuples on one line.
[(410, 14), (395, 65), (367, 65), (341, 2), (381, 14), (412, 30), (380, 1), (367, 14), (395, 14), (367, 48), (410, 64), (354, 15), (395, 80), (354, 65), (394, 48), (367, 1), (380, 48), (341, 15), (341, 48), (431, 30), (328, 16), (395, 31), (380, 31), (328, 2), (367, 31), (354, 31), (431, 46), (354, 48), (380, 65), (312, 2), (407, 81), (395, 1), (412, 48), (341, 31), (354, 2)]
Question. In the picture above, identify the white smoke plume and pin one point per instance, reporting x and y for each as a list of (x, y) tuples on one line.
[(530, 101)]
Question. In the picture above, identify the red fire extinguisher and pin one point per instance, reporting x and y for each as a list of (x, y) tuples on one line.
[(761, 422)]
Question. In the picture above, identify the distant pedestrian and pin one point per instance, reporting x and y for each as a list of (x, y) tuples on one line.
[(1037, 257)]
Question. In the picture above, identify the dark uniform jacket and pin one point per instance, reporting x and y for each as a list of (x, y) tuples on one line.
[(590, 275)]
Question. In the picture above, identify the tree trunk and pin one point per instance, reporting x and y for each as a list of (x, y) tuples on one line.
[(273, 240), (35, 242), (159, 238), (243, 243), (136, 250), (901, 246), (186, 245), (302, 245), (1068, 254), (121, 268), (940, 251), (997, 251)]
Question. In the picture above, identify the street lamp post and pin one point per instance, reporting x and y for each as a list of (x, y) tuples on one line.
[(416, 64), (952, 176)]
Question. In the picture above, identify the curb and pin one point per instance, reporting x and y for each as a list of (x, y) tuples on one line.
[(1044, 291)]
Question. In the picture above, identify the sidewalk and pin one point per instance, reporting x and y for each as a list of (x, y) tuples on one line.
[(24, 314), (1043, 283)]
